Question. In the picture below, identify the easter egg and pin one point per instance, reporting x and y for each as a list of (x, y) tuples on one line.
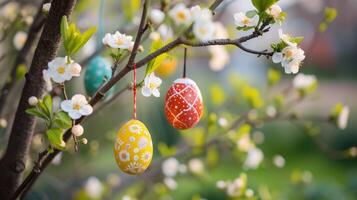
[(167, 67), (183, 104), (98, 71), (133, 147)]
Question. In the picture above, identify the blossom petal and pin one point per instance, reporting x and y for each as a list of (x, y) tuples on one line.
[(80, 99), (277, 57), (66, 105), (86, 110), (74, 114), (145, 91), (156, 92)]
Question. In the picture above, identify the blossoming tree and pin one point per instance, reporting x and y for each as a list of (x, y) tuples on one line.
[(162, 27)]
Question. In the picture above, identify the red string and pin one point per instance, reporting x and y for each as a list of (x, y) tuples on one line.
[(134, 90)]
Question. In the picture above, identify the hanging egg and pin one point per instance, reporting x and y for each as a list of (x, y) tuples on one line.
[(98, 71), (167, 67), (183, 104), (133, 147)]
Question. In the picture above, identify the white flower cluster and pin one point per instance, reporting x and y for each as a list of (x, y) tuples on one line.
[(203, 27), (290, 56), (302, 81), (236, 188), (151, 85), (170, 168), (118, 41)]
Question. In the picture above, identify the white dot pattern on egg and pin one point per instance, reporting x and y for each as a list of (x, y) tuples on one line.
[(133, 147)]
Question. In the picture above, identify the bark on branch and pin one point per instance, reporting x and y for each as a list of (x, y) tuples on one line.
[(13, 162)]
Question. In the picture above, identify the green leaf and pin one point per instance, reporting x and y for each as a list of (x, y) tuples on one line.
[(43, 108), (251, 13), (35, 112), (55, 137), (262, 5), (62, 120), (84, 39), (155, 63), (244, 28), (47, 100), (296, 40)]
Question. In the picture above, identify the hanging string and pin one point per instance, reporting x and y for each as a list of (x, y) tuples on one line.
[(134, 90), (184, 62)]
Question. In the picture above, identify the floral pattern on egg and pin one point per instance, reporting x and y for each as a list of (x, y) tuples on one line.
[(133, 147)]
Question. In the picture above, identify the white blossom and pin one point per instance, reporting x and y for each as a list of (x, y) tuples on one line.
[(204, 30), (241, 20), (274, 11), (302, 81), (236, 188), (196, 166), (46, 7), (157, 16), (19, 39), (201, 14), (245, 143), (77, 106), (165, 32), (279, 161), (84, 141), (170, 167), (118, 40), (59, 70), (151, 85), (170, 183), (286, 38), (221, 184), (93, 187), (77, 130), (249, 193), (9, 11), (180, 14), (33, 101), (342, 119), (219, 54), (47, 78), (254, 158), (290, 57)]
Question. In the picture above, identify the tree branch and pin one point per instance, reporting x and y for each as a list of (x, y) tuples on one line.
[(34, 31), (13, 162), (34, 174)]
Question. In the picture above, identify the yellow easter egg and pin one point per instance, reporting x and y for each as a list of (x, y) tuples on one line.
[(133, 147), (167, 67)]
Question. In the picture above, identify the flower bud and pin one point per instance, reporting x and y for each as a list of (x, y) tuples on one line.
[(77, 130), (3, 123), (33, 101), (84, 141)]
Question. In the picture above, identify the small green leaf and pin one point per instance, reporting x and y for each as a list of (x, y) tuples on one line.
[(296, 40), (55, 137), (155, 63), (62, 120), (43, 108), (330, 14), (37, 113), (47, 101), (251, 13), (244, 28), (84, 39), (262, 5)]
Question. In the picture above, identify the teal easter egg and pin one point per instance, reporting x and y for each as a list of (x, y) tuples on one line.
[(98, 72)]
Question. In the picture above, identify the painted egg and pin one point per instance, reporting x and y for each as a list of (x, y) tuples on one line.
[(167, 67), (98, 71), (183, 104), (133, 147)]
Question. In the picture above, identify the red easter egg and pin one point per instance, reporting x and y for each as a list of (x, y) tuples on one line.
[(183, 104)]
